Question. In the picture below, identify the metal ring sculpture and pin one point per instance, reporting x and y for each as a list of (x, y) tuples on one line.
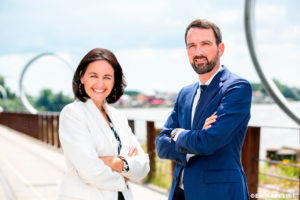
[(269, 85), (24, 99), (4, 96)]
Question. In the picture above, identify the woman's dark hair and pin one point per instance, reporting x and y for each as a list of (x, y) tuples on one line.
[(94, 55)]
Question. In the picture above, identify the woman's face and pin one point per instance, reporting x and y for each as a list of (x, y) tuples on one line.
[(98, 81)]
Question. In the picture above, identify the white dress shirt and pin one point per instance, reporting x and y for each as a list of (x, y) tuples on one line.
[(196, 98)]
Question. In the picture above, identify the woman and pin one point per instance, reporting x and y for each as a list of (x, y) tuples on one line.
[(101, 152)]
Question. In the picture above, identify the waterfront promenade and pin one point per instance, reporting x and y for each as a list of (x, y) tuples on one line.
[(32, 170)]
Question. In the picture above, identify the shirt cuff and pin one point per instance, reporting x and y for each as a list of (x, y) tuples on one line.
[(125, 164), (188, 156), (177, 132)]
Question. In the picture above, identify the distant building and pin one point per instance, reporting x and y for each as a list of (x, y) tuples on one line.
[(137, 99), (142, 99), (156, 102), (259, 97)]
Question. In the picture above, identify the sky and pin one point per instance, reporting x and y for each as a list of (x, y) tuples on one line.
[(146, 36)]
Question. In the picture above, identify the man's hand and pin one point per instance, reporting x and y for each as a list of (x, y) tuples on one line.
[(209, 121)]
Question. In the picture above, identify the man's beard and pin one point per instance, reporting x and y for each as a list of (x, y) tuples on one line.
[(206, 67)]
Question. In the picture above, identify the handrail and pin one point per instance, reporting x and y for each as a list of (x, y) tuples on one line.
[(280, 177), (44, 126), (280, 163), (276, 189)]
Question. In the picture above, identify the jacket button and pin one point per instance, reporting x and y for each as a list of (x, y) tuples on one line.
[(183, 150), (175, 178)]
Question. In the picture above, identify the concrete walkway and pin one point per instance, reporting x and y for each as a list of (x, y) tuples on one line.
[(32, 170)]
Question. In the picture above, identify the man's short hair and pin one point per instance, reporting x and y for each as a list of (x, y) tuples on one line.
[(203, 23)]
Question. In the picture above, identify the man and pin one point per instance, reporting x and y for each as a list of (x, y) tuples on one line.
[(205, 132)]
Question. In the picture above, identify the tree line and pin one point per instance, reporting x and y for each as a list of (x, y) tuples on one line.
[(47, 100), (291, 93)]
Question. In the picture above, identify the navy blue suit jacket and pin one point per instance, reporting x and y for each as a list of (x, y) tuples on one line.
[(215, 172)]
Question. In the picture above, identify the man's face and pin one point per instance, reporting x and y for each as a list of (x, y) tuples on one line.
[(203, 52)]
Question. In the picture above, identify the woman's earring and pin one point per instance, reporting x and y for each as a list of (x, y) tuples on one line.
[(80, 88), (115, 93)]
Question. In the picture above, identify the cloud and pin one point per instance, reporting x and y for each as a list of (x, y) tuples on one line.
[(46, 72), (267, 13), (147, 36), (156, 69)]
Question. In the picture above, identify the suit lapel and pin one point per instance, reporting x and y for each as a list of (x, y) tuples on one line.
[(209, 94), (101, 123), (190, 100)]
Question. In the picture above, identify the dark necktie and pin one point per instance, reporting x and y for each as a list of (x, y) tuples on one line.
[(202, 89)]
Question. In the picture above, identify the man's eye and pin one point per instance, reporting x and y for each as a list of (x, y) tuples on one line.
[(191, 46)]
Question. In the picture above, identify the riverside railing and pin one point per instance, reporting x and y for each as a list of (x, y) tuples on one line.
[(44, 127), (284, 168)]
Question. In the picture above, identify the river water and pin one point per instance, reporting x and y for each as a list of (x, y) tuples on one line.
[(278, 130)]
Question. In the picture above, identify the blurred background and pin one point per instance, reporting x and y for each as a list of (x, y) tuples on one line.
[(147, 38)]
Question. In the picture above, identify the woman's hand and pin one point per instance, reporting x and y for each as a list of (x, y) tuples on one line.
[(209, 121), (133, 152), (115, 163)]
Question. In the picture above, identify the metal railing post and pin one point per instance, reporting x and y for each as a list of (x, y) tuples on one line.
[(40, 126), (131, 124), (151, 147)]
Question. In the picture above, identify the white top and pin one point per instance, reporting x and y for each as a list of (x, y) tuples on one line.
[(85, 136), (197, 96)]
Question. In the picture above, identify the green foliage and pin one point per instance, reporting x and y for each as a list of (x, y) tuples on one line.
[(290, 171), (13, 105), (131, 92), (61, 100), (10, 95), (47, 101), (2, 81), (163, 172), (258, 87), (43, 102), (281, 170), (292, 93)]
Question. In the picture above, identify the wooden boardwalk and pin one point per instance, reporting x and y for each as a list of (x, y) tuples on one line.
[(32, 170)]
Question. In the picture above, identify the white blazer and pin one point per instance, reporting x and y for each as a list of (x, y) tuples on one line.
[(85, 135)]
